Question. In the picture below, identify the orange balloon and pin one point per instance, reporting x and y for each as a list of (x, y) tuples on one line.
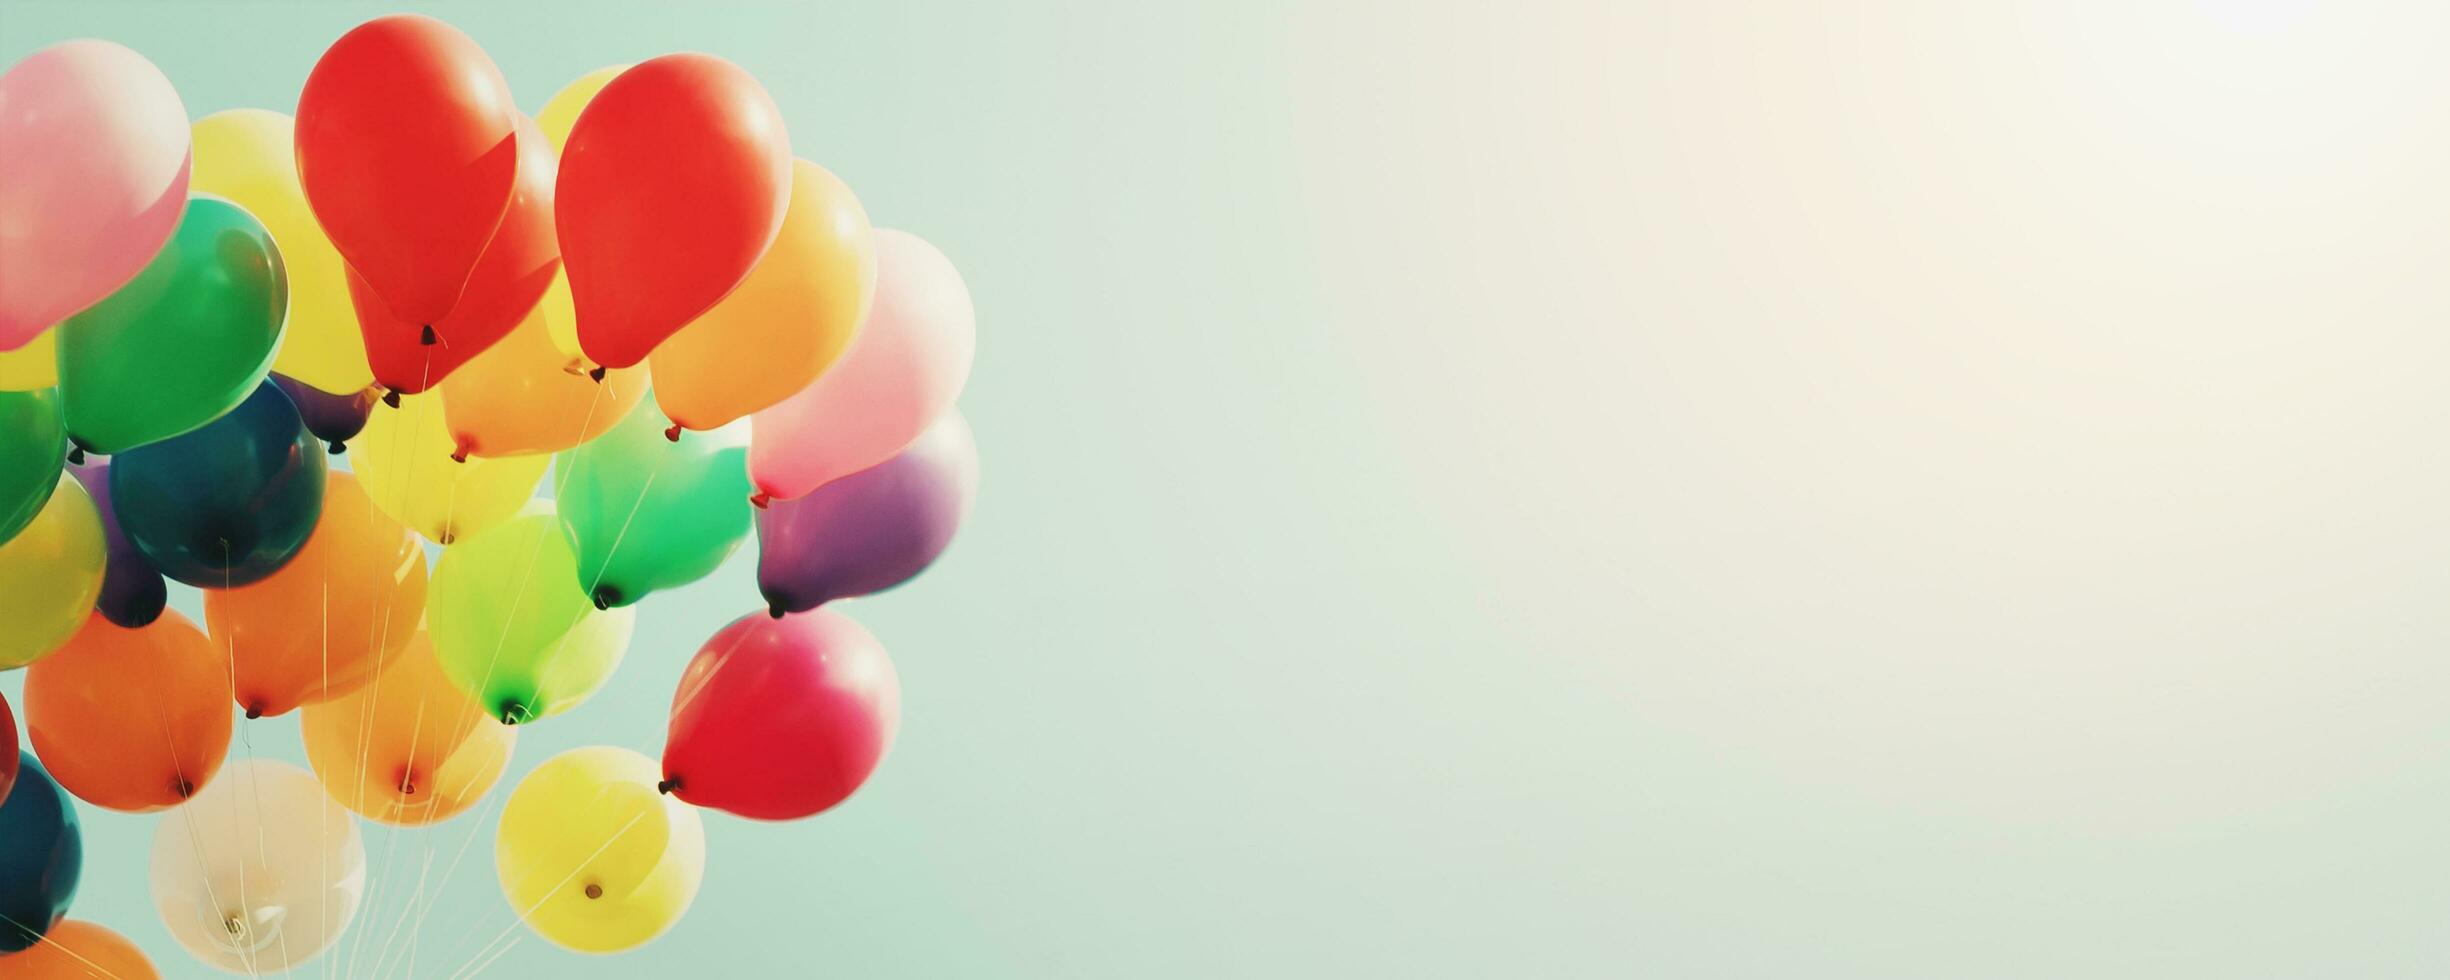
[(410, 748), (789, 320), (525, 395), (131, 719), (75, 950), (325, 623)]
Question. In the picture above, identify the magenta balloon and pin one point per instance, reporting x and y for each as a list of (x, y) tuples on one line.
[(903, 370), (871, 530), (93, 177)]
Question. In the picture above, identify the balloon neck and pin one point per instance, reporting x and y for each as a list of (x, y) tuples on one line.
[(254, 711), (408, 782), (596, 373), (76, 455), (180, 787), (426, 337), (605, 596), (594, 890), (392, 398), (513, 712), (668, 786), (673, 434), (760, 499), (459, 455), (337, 447), (775, 609)]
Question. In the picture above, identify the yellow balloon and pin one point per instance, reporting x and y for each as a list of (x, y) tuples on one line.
[(788, 321), (404, 460), (561, 111), (35, 365), (248, 156), (524, 395), (592, 856), (409, 748), (49, 575), (558, 115), (561, 323)]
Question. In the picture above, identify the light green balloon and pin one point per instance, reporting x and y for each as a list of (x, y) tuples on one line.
[(31, 447), (645, 512), (183, 342), (508, 627)]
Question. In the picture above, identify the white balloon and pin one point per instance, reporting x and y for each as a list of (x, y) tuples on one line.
[(260, 871)]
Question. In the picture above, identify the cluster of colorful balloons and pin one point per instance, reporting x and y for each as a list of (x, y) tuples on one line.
[(320, 368)]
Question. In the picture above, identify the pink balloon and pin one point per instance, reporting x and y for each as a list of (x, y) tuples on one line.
[(93, 178), (910, 359)]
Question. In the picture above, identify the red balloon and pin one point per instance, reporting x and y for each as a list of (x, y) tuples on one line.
[(779, 719), (406, 151), (8, 749), (509, 280), (673, 182)]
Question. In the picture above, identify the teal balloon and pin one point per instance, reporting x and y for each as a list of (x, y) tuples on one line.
[(645, 512), (183, 342), (31, 448), (42, 853), (228, 504)]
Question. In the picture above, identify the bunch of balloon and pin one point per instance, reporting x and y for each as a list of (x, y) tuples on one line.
[(317, 368)]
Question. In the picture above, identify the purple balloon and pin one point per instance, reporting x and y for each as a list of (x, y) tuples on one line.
[(871, 530), (335, 419), (132, 591)]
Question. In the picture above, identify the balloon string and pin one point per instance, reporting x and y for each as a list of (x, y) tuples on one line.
[(482, 967), (366, 713), (562, 478), (40, 939), (550, 892), (195, 841), (415, 733), (401, 480), (246, 909)]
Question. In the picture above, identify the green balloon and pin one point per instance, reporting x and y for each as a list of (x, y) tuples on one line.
[(507, 627), (645, 512), (183, 342), (31, 444)]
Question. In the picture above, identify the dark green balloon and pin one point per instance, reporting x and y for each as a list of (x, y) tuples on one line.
[(31, 446), (184, 341), (227, 504)]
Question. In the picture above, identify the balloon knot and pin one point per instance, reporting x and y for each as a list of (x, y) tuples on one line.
[(337, 447), (596, 373), (459, 455), (760, 499), (605, 596), (180, 786), (391, 398), (594, 890), (513, 712), (673, 434), (254, 711), (666, 786), (775, 609), (426, 339), (76, 455)]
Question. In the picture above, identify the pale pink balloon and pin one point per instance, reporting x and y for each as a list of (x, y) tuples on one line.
[(910, 359), (93, 178)]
